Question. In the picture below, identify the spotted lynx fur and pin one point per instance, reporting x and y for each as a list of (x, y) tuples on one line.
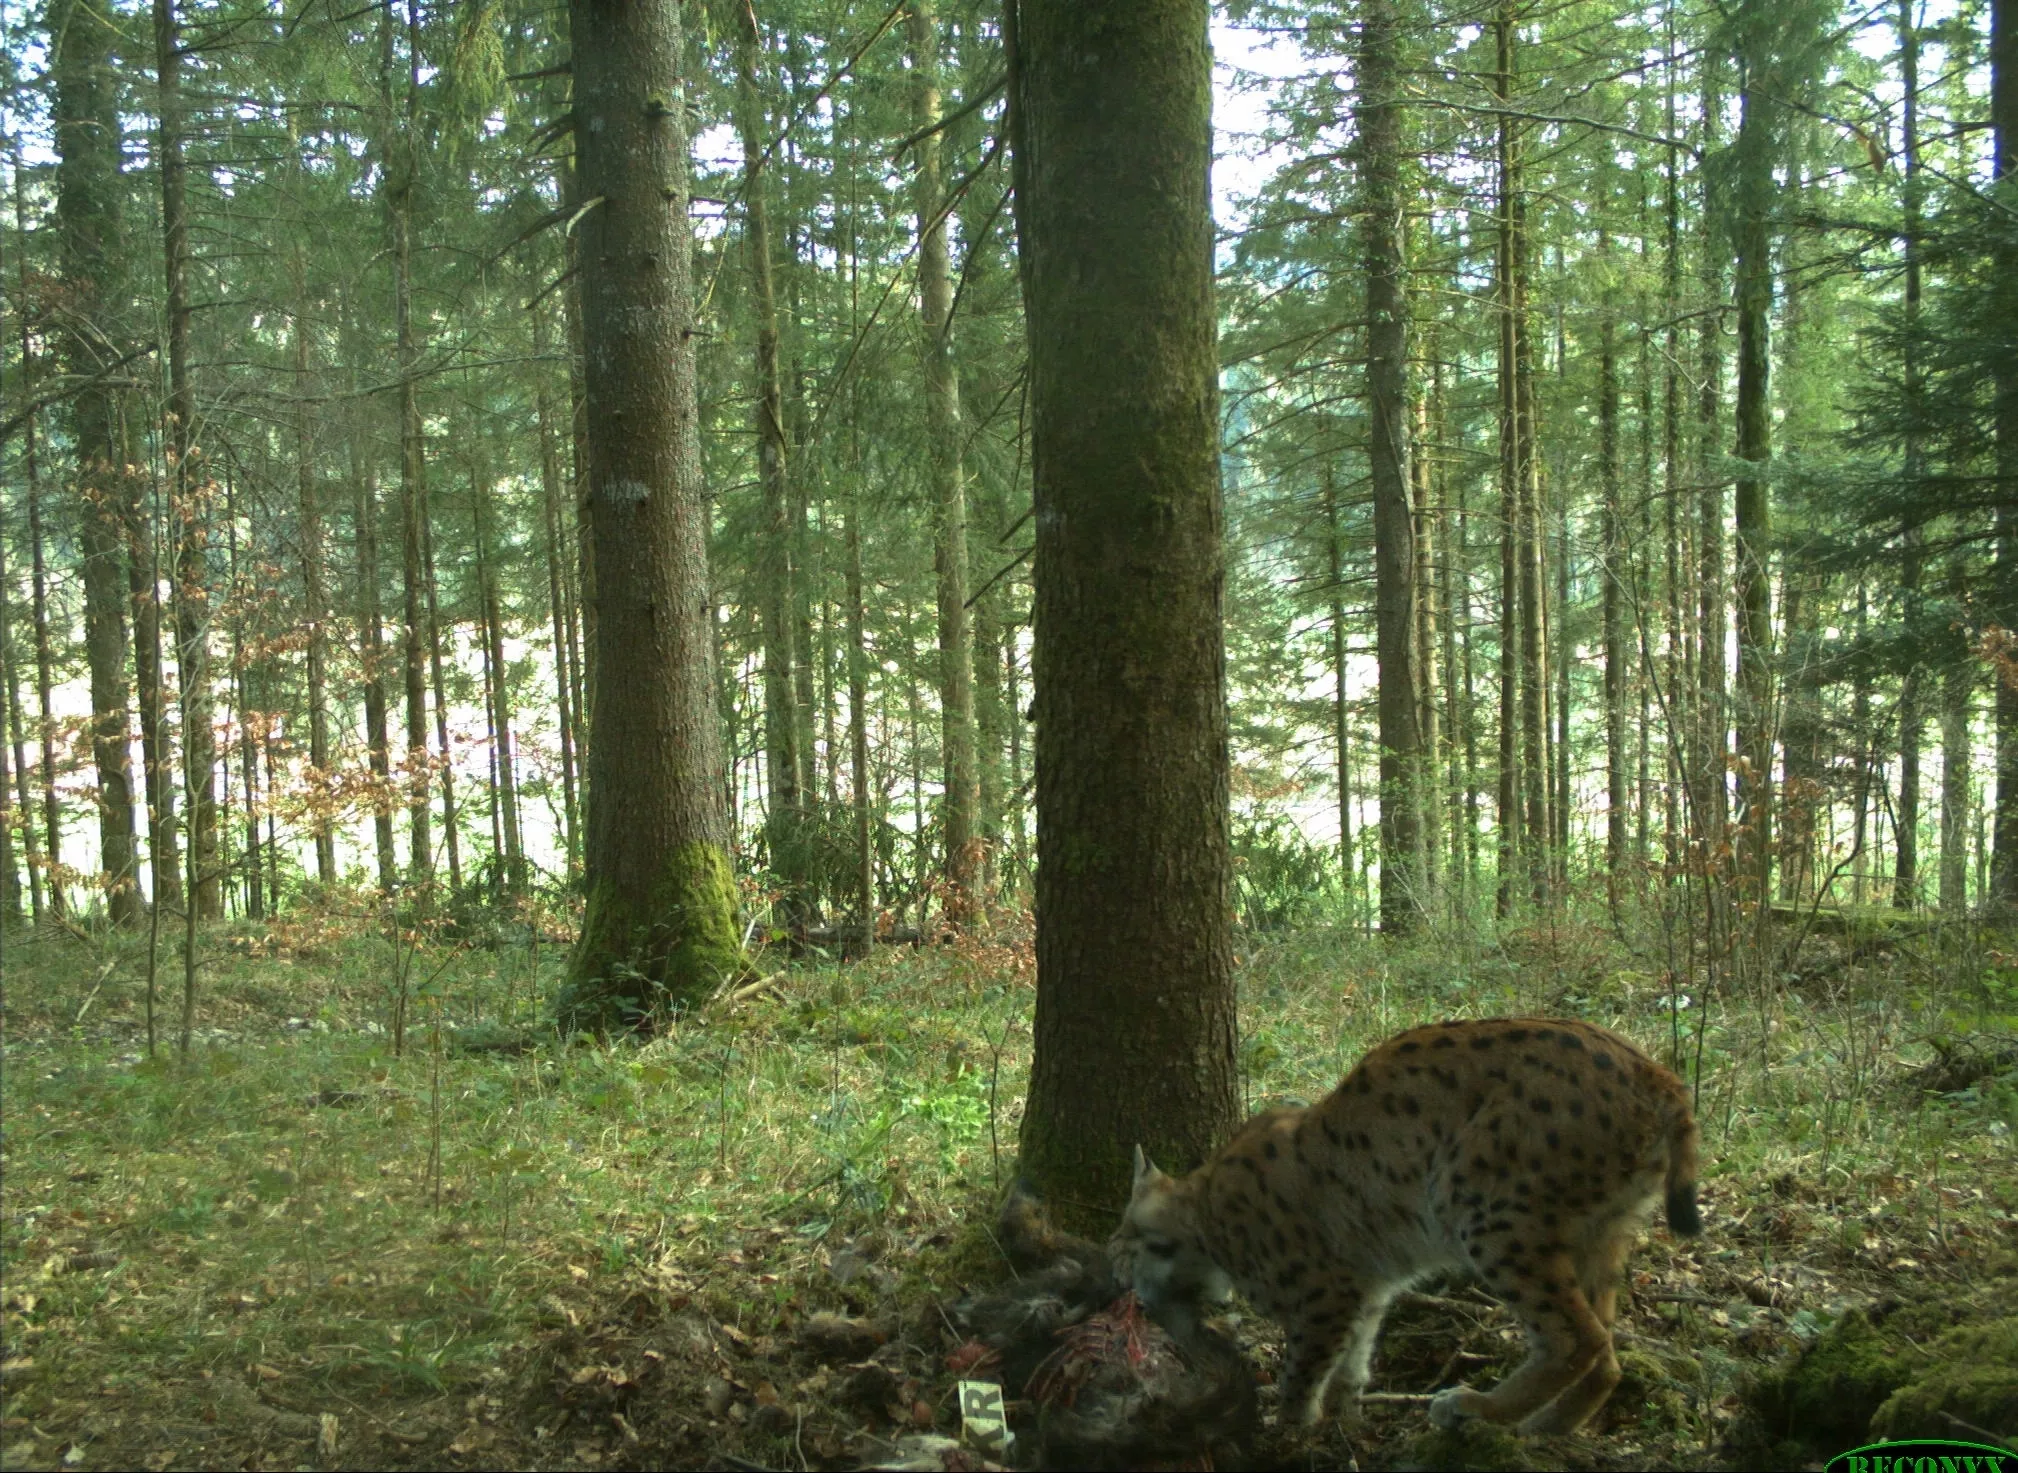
[(1524, 1150)]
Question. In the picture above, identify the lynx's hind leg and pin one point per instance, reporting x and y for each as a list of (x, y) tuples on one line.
[(1566, 1341), (1600, 1275)]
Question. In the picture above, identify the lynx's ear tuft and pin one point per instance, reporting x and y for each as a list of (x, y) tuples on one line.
[(1145, 1169)]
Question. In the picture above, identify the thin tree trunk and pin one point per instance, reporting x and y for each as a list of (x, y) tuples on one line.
[(564, 685), (1860, 728), (1395, 592), (2004, 166), (371, 641), (23, 813), (962, 800), (1453, 604), (248, 750), (1341, 717), (858, 733), (784, 761), (186, 483), (513, 852), (1424, 513), (398, 164), (88, 188), (1557, 630), (1712, 803), (143, 575), (1677, 669), (1754, 276), (1467, 617), (450, 830), (1612, 563), (1508, 821), (582, 600), (1958, 694), (52, 825), (1134, 866), (12, 757), (314, 570), (1537, 773)]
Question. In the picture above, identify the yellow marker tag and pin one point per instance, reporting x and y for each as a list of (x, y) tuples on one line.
[(984, 1425)]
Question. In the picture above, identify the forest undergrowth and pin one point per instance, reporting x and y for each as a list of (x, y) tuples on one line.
[(300, 1245)]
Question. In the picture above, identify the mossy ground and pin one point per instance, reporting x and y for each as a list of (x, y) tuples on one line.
[(605, 1255)]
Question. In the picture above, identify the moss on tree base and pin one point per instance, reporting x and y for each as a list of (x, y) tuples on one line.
[(641, 957)]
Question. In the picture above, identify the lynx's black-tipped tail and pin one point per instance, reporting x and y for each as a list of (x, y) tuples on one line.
[(1684, 1219)]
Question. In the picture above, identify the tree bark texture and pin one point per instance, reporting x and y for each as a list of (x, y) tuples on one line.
[(187, 489), (1612, 570), (1753, 573), (660, 929), (1958, 695), (1507, 167), (86, 117), (2004, 168), (784, 760), (399, 162), (1134, 1036), (314, 564), (960, 805), (1394, 560), (1712, 726)]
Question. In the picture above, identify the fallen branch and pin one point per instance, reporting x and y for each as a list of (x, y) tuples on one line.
[(744, 993)]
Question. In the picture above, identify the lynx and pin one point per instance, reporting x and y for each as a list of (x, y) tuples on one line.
[(1522, 1150)]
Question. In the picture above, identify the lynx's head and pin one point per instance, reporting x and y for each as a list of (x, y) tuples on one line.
[(1159, 1246)]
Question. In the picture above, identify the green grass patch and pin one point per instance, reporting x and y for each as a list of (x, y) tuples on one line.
[(431, 1243)]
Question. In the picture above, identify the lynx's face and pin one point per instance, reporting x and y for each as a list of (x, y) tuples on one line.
[(1158, 1243)]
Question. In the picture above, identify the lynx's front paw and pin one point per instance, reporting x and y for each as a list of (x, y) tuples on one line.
[(1449, 1408)]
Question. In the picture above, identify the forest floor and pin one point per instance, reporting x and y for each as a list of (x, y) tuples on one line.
[(311, 1244)]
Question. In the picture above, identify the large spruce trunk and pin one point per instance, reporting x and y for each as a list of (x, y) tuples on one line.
[(1134, 1035), (660, 929)]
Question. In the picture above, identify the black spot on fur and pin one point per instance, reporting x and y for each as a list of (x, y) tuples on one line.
[(1569, 1040), (1542, 1105), (1554, 1139), (1576, 1109), (1444, 1042), (1518, 1035), (1271, 1151), (1410, 1047), (1603, 1060)]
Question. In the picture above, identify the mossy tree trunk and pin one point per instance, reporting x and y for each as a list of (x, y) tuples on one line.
[(1134, 1034), (660, 930)]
